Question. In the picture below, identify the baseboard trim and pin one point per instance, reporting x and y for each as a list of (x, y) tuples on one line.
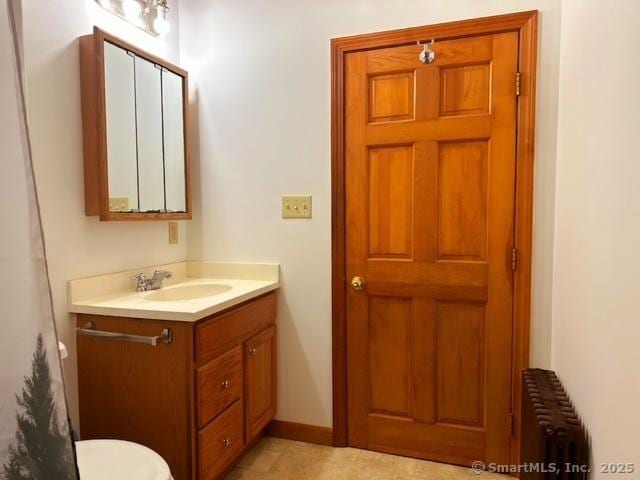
[(300, 432)]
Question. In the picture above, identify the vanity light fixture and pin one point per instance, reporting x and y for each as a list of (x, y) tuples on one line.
[(149, 15)]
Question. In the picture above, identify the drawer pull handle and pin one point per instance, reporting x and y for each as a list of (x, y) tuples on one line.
[(226, 384), (226, 442), (253, 351), (89, 330)]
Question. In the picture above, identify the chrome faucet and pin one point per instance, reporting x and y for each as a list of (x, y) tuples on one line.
[(144, 284)]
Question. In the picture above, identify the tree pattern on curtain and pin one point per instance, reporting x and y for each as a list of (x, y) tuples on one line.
[(40, 451)]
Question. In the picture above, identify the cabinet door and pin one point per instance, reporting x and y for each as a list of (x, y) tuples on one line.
[(149, 136), (260, 352), (173, 137), (120, 113)]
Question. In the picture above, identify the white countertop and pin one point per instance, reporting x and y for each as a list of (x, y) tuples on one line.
[(114, 294)]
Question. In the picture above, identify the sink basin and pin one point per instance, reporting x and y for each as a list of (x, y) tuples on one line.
[(187, 292)]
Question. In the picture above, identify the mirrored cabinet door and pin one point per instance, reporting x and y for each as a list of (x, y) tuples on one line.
[(173, 128), (133, 107), (120, 97), (149, 133)]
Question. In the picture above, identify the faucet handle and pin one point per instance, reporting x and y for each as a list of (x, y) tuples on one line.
[(162, 273), (141, 281)]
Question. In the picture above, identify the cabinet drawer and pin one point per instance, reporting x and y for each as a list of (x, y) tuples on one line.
[(216, 336), (218, 385), (220, 442)]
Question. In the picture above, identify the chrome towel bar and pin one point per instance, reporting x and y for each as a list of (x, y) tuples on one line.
[(90, 330)]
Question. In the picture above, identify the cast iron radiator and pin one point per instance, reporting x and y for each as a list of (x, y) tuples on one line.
[(554, 440)]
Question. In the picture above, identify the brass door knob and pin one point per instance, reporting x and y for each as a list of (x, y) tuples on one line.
[(358, 283)]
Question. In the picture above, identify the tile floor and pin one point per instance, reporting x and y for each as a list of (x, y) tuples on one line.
[(274, 458)]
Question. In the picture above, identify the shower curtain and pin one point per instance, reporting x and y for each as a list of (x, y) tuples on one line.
[(35, 439)]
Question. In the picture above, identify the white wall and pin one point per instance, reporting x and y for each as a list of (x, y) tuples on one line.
[(262, 73), (596, 312), (78, 245)]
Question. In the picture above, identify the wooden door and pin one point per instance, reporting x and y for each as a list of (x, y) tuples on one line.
[(430, 179), (260, 381)]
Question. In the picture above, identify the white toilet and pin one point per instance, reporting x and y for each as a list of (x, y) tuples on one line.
[(117, 459)]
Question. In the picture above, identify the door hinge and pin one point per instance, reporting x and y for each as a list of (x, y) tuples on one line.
[(518, 83), (514, 259)]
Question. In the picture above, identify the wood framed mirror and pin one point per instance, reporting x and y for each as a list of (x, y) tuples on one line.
[(134, 118)]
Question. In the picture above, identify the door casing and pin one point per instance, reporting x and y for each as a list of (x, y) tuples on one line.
[(526, 25)]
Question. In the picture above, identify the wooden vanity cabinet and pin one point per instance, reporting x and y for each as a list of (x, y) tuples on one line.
[(200, 401)]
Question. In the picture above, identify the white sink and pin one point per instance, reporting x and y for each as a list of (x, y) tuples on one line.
[(187, 292), (196, 290)]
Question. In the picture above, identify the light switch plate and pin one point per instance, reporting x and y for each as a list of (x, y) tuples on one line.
[(119, 204), (296, 206), (173, 233)]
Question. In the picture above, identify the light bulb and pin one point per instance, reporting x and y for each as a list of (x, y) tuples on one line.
[(161, 25), (131, 9)]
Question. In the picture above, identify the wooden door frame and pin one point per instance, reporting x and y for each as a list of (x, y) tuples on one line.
[(526, 25)]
